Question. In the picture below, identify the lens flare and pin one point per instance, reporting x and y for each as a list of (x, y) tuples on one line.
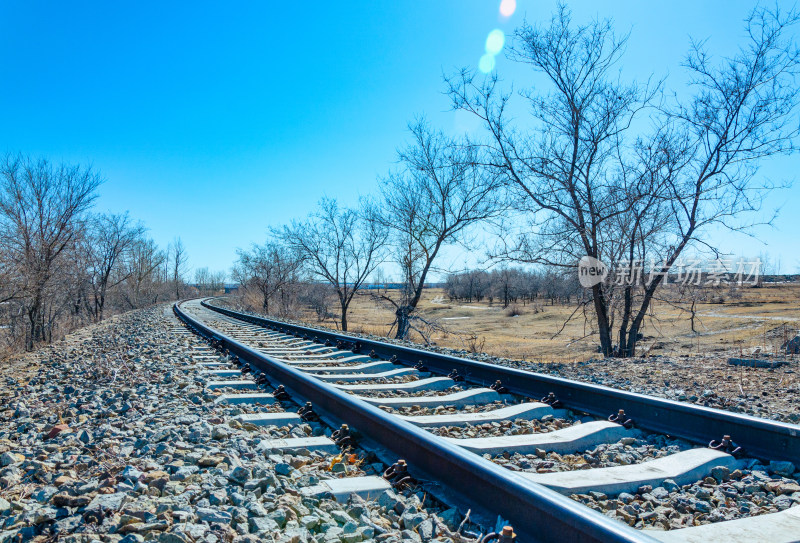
[(495, 42), (486, 63), (507, 7)]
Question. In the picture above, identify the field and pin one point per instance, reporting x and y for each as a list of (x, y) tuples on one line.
[(758, 321)]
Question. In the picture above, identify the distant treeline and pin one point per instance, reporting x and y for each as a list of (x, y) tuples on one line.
[(63, 265), (513, 285)]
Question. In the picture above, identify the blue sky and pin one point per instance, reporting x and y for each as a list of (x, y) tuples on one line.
[(212, 121)]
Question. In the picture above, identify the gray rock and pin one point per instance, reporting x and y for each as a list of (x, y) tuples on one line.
[(173, 537), (262, 525), (412, 520), (131, 473), (208, 514), (702, 506), (721, 473), (367, 533), (625, 497), (451, 517), (340, 516), (68, 524), (391, 501), (111, 502), (44, 494), (410, 535), (702, 492), (194, 531), (219, 432), (294, 535), (183, 473), (782, 468), (239, 475), (670, 485), (279, 516), (256, 509), (426, 529), (218, 497), (660, 493), (7, 459), (333, 532)]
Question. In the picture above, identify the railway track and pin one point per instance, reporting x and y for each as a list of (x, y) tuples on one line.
[(553, 457)]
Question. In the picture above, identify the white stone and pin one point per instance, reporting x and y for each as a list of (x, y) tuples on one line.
[(369, 488), (262, 398), (270, 419), (220, 374), (240, 384), (322, 444)]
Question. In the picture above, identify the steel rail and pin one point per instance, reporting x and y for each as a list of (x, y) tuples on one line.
[(540, 514), (761, 438)]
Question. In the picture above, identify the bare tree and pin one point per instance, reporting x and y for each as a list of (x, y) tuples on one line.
[(439, 193), (202, 278), (592, 186), (317, 296), (110, 237), (217, 281), (340, 246), (267, 268), (40, 208), (61, 267), (209, 282), (144, 284), (178, 265)]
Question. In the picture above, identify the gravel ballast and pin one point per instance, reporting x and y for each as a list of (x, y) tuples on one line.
[(109, 436)]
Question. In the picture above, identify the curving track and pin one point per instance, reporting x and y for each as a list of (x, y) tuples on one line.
[(366, 384)]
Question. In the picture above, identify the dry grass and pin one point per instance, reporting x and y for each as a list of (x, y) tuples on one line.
[(758, 321)]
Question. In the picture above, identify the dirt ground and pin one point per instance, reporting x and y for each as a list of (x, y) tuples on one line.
[(759, 321)]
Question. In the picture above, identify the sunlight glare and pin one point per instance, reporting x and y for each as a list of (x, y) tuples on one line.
[(495, 42), (486, 64), (507, 7)]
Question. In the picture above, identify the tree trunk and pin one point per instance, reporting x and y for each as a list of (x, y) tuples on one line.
[(344, 315), (623, 328), (35, 318), (101, 305), (633, 337), (403, 322), (603, 325)]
